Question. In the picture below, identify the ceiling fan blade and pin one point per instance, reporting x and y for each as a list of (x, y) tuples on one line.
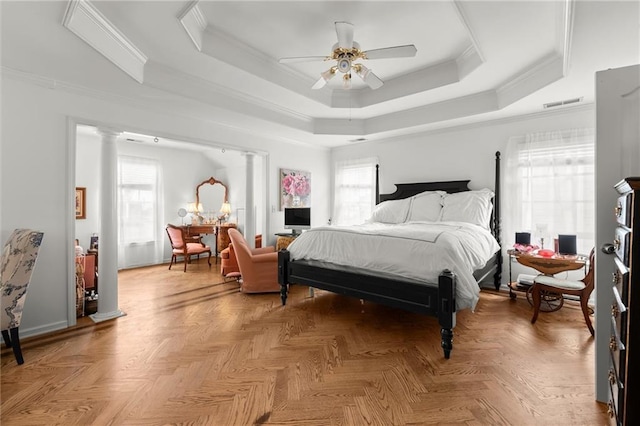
[(344, 30), (369, 77), (391, 52), (295, 59)]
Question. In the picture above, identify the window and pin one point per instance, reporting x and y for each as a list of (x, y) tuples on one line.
[(355, 190), (550, 186), (138, 200)]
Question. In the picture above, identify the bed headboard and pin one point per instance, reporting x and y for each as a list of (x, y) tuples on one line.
[(406, 190)]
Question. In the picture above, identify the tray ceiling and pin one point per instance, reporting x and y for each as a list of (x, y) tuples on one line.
[(475, 60)]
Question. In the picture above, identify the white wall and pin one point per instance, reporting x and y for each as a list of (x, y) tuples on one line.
[(37, 173)]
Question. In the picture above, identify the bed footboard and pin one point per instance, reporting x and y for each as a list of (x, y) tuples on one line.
[(438, 300)]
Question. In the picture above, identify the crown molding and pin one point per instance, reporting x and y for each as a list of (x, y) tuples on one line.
[(565, 33), (464, 20), (540, 74), (448, 127), (170, 80), (468, 61), (85, 21), (208, 115), (194, 23)]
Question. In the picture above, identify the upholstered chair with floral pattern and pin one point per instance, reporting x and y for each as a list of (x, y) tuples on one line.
[(18, 260)]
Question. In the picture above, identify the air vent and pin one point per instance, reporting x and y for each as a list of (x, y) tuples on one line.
[(358, 140), (561, 103)]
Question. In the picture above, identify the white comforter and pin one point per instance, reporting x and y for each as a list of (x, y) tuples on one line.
[(416, 250)]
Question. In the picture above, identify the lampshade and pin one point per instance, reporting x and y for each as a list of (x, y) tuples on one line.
[(325, 77), (226, 208), (191, 207), (200, 208), (346, 84)]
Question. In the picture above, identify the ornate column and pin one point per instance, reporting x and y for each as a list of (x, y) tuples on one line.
[(250, 212), (108, 242)]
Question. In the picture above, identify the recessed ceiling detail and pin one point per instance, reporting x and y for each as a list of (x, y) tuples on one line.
[(85, 21), (218, 60)]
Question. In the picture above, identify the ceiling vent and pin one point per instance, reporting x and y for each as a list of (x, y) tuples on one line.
[(561, 103), (358, 140)]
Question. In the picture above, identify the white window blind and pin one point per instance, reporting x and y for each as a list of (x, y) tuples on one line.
[(549, 186), (355, 190)]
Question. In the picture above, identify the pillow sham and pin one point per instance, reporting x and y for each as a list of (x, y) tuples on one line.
[(468, 206), (426, 206), (391, 211)]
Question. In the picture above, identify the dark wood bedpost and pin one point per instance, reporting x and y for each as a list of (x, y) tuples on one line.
[(447, 310), (377, 184), (283, 274), (497, 277)]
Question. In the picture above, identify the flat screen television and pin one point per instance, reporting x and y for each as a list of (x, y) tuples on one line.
[(297, 218)]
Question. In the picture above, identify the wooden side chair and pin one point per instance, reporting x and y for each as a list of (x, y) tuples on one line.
[(181, 247), (545, 284), (18, 261)]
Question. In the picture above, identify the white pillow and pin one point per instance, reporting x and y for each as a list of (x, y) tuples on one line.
[(426, 206), (392, 211), (468, 206)]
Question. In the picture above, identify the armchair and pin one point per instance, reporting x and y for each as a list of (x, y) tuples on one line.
[(229, 263), (18, 260), (180, 246), (258, 267)]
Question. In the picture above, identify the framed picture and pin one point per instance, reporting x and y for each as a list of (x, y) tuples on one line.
[(295, 188), (81, 203)]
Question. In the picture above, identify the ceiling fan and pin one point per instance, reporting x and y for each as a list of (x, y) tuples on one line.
[(345, 52)]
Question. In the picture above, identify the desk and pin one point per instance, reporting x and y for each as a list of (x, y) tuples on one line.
[(546, 266), (221, 231)]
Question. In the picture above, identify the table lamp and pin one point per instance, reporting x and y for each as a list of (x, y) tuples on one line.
[(225, 210)]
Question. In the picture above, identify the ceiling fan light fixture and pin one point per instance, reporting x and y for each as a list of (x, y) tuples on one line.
[(346, 51), (361, 70), (346, 84), (344, 65), (328, 74)]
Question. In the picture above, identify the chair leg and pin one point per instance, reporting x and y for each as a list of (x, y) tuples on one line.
[(186, 260), (5, 337), (209, 260), (585, 311), (173, 259), (13, 341), (537, 300)]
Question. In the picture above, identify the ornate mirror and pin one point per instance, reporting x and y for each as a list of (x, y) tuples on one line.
[(211, 193)]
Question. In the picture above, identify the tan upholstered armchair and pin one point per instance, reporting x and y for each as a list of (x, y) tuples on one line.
[(18, 260), (228, 261), (180, 246), (258, 267)]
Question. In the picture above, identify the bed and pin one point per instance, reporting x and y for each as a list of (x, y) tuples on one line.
[(439, 290)]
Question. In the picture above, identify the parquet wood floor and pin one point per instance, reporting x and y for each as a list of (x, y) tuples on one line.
[(193, 350)]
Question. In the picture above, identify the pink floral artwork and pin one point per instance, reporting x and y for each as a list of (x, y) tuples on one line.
[(295, 188)]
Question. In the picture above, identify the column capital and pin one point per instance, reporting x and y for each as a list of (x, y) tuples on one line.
[(108, 132)]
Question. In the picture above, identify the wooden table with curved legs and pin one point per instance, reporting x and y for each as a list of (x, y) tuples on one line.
[(548, 266)]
